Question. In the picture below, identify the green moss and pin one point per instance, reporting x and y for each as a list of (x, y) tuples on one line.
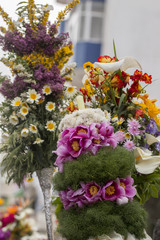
[(107, 164), (102, 218)]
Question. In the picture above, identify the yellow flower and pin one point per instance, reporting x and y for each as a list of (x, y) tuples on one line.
[(127, 135), (50, 126), (88, 65), (29, 179), (33, 128), (24, 111), (1, 201), (16, 102), (46, 89), (50, 106), (67, 9), (150, 108)]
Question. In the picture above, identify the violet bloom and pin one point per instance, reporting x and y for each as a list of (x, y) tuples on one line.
[(76, 145), (106, 130), (120, 136), (133, 127), (126, 184), (112, 190), (65, 136), (72, 198), (4, 235), (81, 131), (8, 219), (129, 145), (157, 145), (92, 191), (152, 128), (63, 156)]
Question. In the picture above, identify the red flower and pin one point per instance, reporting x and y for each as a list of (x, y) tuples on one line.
[(7, 219), (139, 113), (138, 76), (104, 59)]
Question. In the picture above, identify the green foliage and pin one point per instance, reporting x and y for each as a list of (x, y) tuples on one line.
[(107, 164), (147, 185), (102, 218)]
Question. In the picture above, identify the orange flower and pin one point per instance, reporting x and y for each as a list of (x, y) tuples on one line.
[(12, 209), (104, 59), (150, 108)]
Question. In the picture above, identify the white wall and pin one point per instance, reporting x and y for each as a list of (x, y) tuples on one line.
[(135, 27)]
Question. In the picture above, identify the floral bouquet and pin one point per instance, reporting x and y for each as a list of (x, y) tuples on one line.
[(16, 222), (134, 116), (96, 190), (33, 107)]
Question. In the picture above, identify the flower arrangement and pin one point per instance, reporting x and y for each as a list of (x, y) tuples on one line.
[(33, 105), (16, 222), (134, 117), (96, 190)]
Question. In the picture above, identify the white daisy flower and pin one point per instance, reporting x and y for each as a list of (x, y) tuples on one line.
[(22, 117), (33, 96), (50, 126), (70, 91), (50, 106), (23, 111), (16, 102), (46, 89), (24, 104), (24, 132), (38, 141), (13, 119), (33, 128)]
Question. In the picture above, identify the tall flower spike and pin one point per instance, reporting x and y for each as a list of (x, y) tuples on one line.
[(31, 13), (45, 16), (7, 19), (67, 9)]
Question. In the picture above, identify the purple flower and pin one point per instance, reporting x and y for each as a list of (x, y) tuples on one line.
[(133, 127), (70, 198), (120, 136), (112, 190), (82, 131), (92, 191), (157, 145), (129, 145), (126, 184), (4, 235), (152, 127)]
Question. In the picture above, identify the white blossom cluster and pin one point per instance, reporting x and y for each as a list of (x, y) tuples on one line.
[(84, 117)]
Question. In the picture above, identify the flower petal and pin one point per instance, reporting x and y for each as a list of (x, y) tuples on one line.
[(151, 139), (123, 64)]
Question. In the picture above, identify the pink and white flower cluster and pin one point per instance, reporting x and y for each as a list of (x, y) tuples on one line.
[(121, 190), (82, 139)]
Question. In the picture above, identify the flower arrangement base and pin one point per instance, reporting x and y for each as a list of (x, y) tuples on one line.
[(44, 177)]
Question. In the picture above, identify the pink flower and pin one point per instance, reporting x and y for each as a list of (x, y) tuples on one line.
[(126, 183), (133, 127), (112, 190), (92, 191), (120, 136), (129, 145)]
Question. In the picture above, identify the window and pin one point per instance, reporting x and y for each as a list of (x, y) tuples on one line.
[(96, 28), (97, 6)]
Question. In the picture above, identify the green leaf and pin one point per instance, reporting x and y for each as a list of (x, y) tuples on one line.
[(153, 190), (121, 99)]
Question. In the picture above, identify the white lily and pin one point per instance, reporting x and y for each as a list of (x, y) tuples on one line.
[(151, 139), (146, 163), (123, 64)]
